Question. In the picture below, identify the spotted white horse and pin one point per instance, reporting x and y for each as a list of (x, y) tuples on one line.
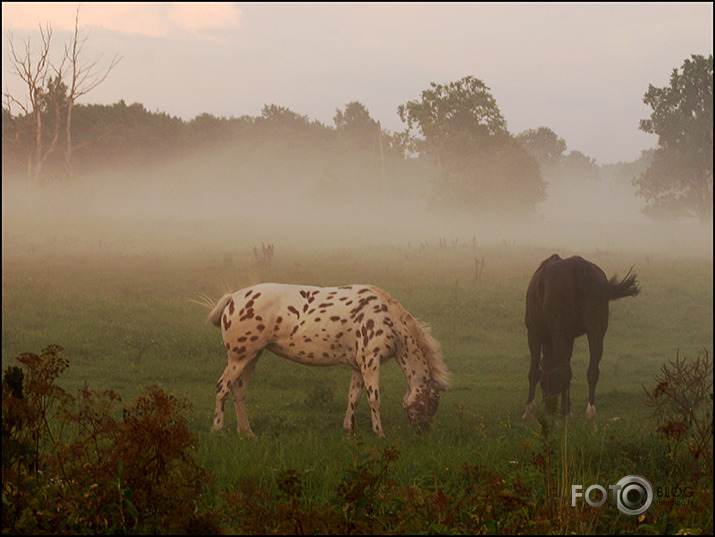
[(357, 325)]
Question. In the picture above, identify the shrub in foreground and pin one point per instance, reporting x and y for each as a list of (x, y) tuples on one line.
[(72, 465)]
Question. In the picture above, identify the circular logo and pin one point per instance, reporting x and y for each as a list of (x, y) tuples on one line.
[(633, 495)]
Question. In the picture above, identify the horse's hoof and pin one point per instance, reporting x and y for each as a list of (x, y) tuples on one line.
[(591, 412), (529, 411), (247, 433)]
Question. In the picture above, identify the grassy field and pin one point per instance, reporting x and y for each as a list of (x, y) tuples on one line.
[(123, 313)]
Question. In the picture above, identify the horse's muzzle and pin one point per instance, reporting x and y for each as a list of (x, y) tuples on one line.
[(421, 413)]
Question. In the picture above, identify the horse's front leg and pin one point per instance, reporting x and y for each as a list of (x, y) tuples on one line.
[(356, 385), (225, 386), (534, 373), (563, 347), (371, 379), (566, 393), (566, 403)]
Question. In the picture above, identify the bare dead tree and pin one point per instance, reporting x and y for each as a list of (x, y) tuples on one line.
[(83, 79), (33, 69), (48, 94)]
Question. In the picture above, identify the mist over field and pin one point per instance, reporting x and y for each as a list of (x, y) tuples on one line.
[(197, 149), (115, 271), (233, 203)]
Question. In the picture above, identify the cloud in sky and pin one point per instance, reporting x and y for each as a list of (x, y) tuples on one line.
[(148, 19)]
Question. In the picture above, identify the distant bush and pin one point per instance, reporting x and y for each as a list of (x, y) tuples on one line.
[(73, 466)]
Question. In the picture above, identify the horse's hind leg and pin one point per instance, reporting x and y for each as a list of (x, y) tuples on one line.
[(239, 394), (356, 385), (225, 385), (597, 324), (595, 346), (534, 373)]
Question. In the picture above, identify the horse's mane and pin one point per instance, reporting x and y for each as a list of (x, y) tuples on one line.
[(429, 345), (433, 352)]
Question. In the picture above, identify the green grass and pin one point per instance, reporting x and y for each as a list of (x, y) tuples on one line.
[(126, 321)]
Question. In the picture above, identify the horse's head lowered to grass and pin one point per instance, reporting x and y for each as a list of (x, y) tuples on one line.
[(421, 405), (425, 384)]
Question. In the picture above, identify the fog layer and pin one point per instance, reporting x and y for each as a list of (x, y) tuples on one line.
[(204, 201)]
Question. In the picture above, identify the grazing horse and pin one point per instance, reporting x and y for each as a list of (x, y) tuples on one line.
[(567, 298), (360, 326)]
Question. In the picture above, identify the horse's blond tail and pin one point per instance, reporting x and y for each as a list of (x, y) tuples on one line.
[(215, 316)]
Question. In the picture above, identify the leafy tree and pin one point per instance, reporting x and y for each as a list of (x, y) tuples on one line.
[(207, 129), (482, 166), (362, 141), (679, 181), (356, 125), (545, 145), (285, 117), (121, 134), (459, 111), (556, 165), (576, 165), (292, 131), (355, 117)]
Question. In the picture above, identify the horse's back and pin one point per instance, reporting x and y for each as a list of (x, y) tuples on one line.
[(562, 279), (564, 294), (308, 324)]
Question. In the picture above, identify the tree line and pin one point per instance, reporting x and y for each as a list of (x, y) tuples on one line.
[(454, 133)]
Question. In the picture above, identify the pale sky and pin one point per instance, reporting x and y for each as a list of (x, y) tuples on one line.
[(579, 69)]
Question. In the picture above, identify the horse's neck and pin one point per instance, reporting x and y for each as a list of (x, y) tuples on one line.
[(416, 370)]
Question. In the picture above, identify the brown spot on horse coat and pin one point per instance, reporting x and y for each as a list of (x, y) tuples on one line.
[(226, 322)]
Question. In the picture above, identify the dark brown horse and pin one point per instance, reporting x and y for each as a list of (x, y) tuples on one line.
[(568, 298)]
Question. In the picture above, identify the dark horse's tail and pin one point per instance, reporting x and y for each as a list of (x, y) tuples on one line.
[(612, 289), (628, 286)]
